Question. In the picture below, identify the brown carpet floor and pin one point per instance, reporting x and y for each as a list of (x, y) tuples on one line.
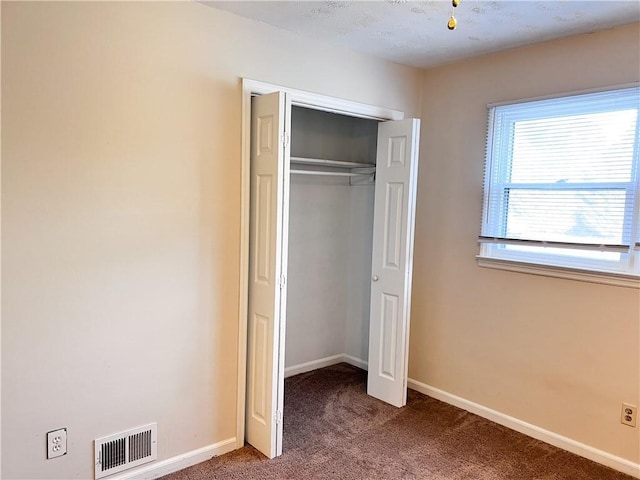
[(333, 430)]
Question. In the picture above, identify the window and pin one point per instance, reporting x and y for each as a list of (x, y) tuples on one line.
[(561, 183)]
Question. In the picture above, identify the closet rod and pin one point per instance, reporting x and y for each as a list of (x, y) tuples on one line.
[(332, 163), (336, 174)]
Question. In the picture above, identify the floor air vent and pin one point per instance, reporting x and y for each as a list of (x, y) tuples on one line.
[(126, 450)]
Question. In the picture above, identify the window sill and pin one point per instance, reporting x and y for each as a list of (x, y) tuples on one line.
[(617, 279)]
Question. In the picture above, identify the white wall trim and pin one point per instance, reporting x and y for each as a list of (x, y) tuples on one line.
[(323, 102), (606, 278), (356, 362), (173, 464), (312, 365), (573, 446), (565, 94), (243, 293), (324, 362)]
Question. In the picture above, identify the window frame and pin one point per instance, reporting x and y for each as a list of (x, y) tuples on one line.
[(623, 271)]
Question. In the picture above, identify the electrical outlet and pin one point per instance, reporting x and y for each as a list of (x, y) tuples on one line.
[(629, 415), (57, 443)]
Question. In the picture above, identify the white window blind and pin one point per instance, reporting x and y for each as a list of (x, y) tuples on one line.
[(561, 182)]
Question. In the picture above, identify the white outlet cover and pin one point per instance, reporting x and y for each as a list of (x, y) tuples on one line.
[(57, 443), (632, 412)]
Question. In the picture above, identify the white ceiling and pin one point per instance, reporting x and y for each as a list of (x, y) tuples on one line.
[(415, 33)]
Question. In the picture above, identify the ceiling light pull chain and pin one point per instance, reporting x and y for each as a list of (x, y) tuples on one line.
[(453, 23)]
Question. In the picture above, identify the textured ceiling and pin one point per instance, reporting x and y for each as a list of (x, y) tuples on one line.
[(415, 33)]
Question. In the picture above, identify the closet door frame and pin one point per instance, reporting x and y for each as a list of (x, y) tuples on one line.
[(300, 98)]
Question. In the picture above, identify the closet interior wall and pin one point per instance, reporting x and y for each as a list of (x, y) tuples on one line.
[(330, 240)]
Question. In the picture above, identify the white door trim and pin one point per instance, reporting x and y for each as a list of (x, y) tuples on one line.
[(300, 98)]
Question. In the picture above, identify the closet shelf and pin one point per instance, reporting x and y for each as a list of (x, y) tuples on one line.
[(329, 163), (327, 173)]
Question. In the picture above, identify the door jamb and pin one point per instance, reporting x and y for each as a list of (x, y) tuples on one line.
[(300, 98)]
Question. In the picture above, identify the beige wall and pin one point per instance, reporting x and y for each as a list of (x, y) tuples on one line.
[(121, 219), (560, 354), (121, 165)]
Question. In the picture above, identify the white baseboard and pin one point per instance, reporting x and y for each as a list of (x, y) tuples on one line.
[(324, 362), (356, 362), (173, 464), (573, 446)]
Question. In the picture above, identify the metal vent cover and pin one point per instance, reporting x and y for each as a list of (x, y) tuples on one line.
[(125, 450)]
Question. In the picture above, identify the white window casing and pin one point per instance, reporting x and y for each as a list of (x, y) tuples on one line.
[(561, 190)]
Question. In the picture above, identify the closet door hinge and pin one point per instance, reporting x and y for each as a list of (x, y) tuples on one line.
[(285, 139), (282, 281), (277, 417)]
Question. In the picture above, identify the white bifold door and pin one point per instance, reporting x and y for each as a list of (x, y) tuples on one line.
[(267, 266), (394, 214), (392, 259)]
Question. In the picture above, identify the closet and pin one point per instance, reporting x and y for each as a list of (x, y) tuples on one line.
[(331, 193), (330, 252)]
